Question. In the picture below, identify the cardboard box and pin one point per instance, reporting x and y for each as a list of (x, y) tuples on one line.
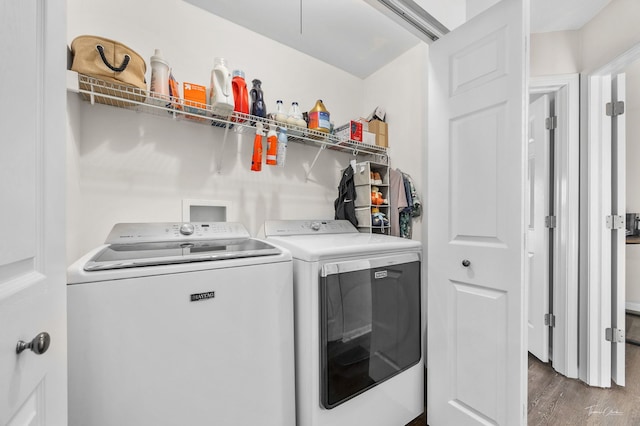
[(195, 98), (350, 131), (368, 138), (380, 129)]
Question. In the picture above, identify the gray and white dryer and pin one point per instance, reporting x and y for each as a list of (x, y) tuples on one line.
[(358, 323)]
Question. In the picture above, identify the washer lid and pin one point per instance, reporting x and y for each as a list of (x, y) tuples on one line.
[(144, 244)]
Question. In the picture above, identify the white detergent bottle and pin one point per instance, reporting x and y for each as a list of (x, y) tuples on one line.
[(159, 85), (221, 89)]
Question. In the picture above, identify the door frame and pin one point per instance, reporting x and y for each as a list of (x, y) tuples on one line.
[(566, 90), (595, 301)]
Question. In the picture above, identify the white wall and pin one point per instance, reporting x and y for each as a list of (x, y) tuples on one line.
[(613, 31), (555, 53), (401, 87), (450, 13), (130, 167)]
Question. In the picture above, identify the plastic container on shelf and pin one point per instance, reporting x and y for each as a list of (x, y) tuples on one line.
[(221, 97), (272, 146), (240, 94), (159, 84), (280, 115), (319, 117), (282, 146), (256, 158), (258, 107)]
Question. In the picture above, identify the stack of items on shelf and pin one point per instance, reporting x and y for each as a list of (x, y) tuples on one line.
[(378, 199)]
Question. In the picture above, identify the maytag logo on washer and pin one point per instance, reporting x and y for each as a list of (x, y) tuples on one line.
[(380, 274), (201, 296)]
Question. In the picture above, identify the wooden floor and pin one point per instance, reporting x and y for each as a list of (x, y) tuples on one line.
[(555, 400)]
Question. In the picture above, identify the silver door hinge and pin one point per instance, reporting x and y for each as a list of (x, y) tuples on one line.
[(615, 108), (550, 320), (551, 122), (614, 335), (550, 222), (615, 222)]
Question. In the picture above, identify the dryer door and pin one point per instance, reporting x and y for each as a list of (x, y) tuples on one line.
[(369, 324)]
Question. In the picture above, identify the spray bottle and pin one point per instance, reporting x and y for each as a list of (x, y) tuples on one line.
[(282, 145), (256, 159), (272, 146)]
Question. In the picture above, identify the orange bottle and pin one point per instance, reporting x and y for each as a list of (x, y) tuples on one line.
[(256, 159), (240, 94), (272, 147)]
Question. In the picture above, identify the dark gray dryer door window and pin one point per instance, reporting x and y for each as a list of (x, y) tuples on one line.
[(369, 325)]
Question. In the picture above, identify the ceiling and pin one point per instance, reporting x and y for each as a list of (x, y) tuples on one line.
[(358, 38)]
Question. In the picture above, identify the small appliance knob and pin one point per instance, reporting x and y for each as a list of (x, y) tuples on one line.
[(187, 229), (315, 226)]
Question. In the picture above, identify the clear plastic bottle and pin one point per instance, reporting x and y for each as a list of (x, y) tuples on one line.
[(282, 146), (221, 97), (295, 116), (280, 116)]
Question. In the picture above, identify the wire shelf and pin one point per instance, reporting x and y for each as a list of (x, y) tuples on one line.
[(96, 90)]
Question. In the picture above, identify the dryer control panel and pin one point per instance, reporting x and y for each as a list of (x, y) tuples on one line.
[(281, 228), (130, 233)]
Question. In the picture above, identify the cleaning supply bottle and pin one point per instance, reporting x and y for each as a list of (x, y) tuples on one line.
[(282, 146), (319, 118), (272, 146), (159, 85), (280, 116), (240, 94), (258, 107), (295, 116), (256, 158), (221, 96)]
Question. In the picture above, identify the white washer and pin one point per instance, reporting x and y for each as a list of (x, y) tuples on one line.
[(181, 324), (358, 324)]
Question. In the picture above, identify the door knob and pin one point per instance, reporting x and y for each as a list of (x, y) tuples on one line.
[(38, 345), (466, 263)]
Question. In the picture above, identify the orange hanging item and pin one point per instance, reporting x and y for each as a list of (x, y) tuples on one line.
[(272, 147), (256, 159)]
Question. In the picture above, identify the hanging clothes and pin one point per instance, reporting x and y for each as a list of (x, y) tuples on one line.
[(397, 200), (344, 205), (413, 209)]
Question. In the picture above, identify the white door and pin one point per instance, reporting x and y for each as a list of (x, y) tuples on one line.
[(538, 235), (32, 248), (618, 207), (476, 315), (605, 309)]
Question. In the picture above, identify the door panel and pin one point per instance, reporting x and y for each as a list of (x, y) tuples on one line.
[(477, 111), (32, 262), (538, 198), (618, 207)]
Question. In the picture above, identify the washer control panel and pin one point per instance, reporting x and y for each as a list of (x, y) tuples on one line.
[(131, 233), (280, 228)]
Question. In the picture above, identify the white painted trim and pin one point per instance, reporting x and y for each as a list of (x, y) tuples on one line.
[(598, 302), (595, 301), (565, 246)]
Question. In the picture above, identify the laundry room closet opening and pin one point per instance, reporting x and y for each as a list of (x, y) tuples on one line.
[(142, 169)]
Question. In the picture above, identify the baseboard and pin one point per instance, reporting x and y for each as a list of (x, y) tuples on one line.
[(633, 307)]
